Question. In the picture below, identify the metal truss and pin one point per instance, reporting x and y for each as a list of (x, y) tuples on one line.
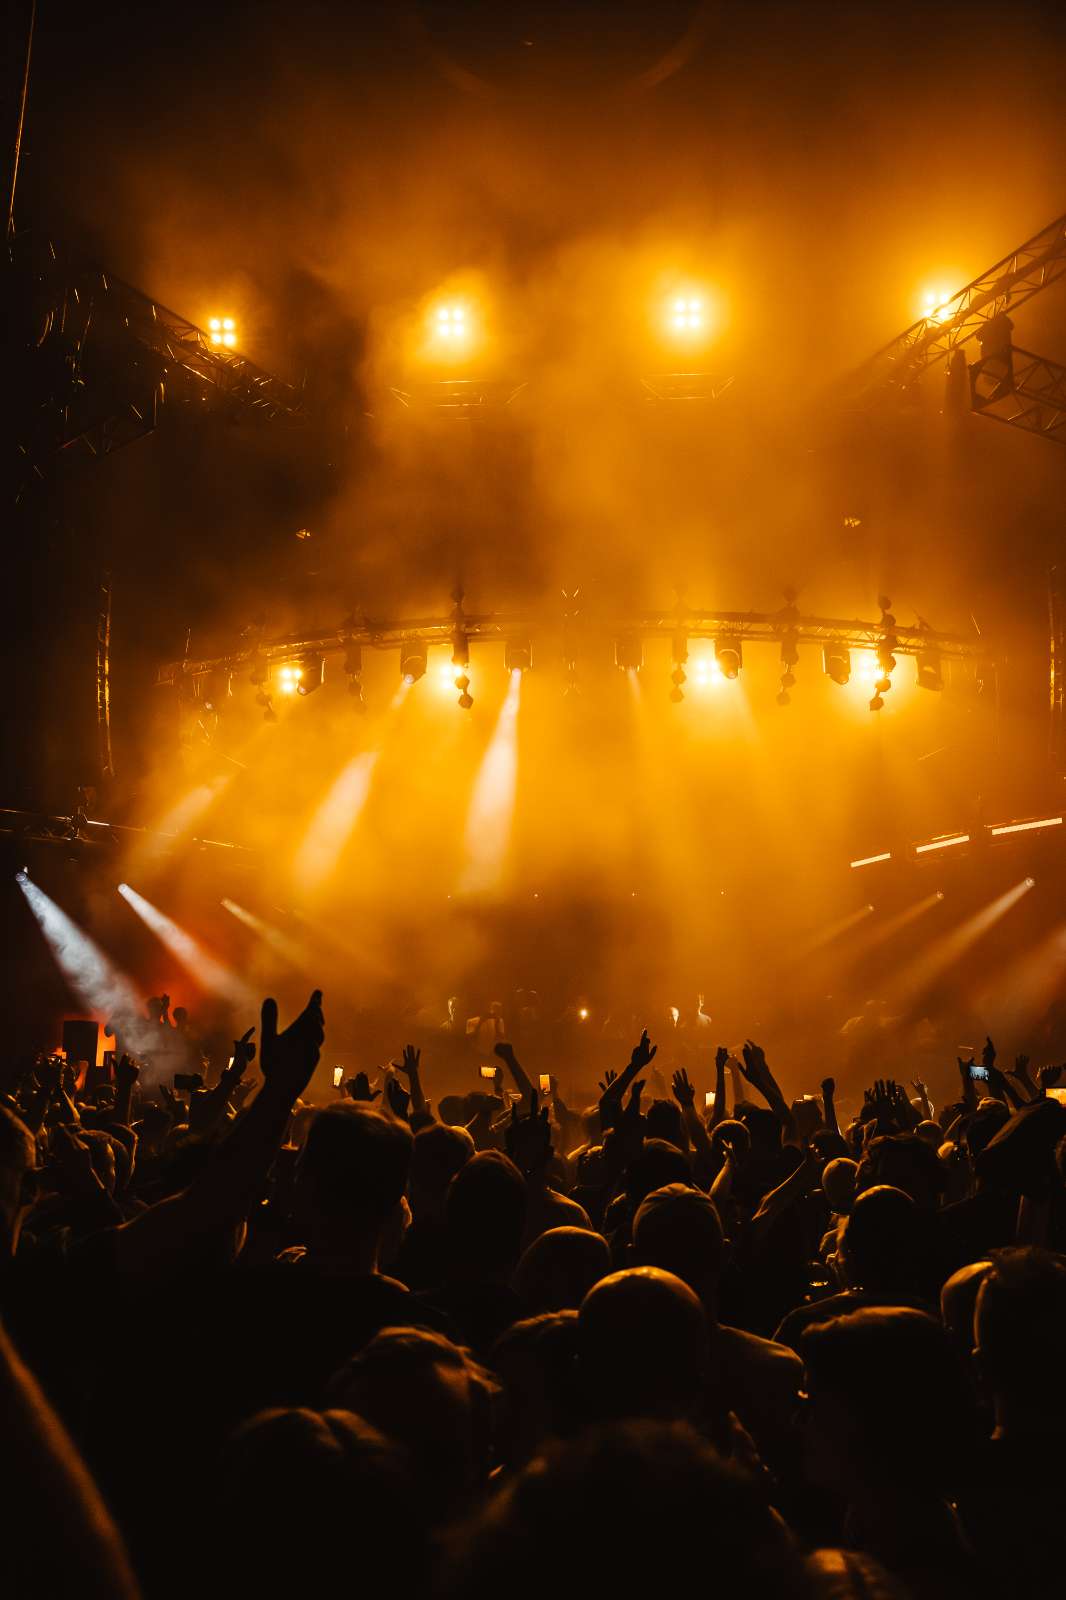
[(82, 833), (674, 386), (1023, 390), (754, 626), (109, 356), (1022, 274), (459, 397)]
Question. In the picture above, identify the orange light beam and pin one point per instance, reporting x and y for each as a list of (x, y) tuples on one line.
[(210, 973), (491, 811)]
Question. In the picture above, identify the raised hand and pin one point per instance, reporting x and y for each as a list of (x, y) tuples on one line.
[(288, 1059), (397, 1097), (126, 1072), (643, 1054), (358, 1088), (1050, 1075), (721, 1056), (504, 1050), (244, 1050), (608, 1081), (988, 1054), (829, 1087), (411, 1059), (1020, 1068), (684, 1093)]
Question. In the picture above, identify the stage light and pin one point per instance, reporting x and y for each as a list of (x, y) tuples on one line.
[(518, 655), (289, 677), (460, 665), (412, 661), (628, 654), (945, 842), (312, 675), (930, 675), (876, 703), (935, 306), (223, 332), (679, 655), (868, 861), (1025, 827), (686, 316), (836, 662), (583, 1013), (99, 985), (451, 328), (729, 655)]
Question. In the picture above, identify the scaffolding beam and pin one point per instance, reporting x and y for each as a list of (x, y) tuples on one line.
[(1027, 270), (1022, 390)]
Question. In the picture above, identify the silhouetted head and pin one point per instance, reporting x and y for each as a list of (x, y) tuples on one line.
[(903, 1161), (664, 1122), (674, 1507), (838, 1184), (432, 1397), (559, 1268), (537, 1361), (353, 1171), (657, 1164), (958, 1300), (869, 1425), (298, 1491), (439, 1153), (1020, 1334), (882, 1243), (678, 1229), (642, 1346), (485, 1217)]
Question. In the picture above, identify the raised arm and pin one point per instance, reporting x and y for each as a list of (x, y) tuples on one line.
[(685, 1095), (758, 1074), (718, 1110), (829, 1110), (614, 1088), (222, 1195), (522, 1081)]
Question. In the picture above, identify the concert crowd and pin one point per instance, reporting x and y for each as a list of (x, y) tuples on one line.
[(686, 1334)]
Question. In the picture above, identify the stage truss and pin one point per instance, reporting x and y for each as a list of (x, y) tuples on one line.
[(574, 632)]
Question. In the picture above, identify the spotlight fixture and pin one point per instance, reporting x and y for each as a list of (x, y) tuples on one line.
[(877, 704), (518, 655), (784, 698), (788, 680), (729, 655), (628, 654), (412, 661), (836, 662), (289, 676), (313, 675), (223, 331), (686, 316), (930, 674)]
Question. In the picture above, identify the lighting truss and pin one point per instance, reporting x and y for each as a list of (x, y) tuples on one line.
[(1023, 273), (1031, 396), (83, 833), (118, 355), (460, 398), (754, 626), (1027, 827)]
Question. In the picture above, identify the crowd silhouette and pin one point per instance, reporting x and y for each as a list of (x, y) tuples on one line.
[(498, 1345)]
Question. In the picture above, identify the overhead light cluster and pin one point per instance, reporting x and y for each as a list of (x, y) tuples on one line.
[(223, 332)]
